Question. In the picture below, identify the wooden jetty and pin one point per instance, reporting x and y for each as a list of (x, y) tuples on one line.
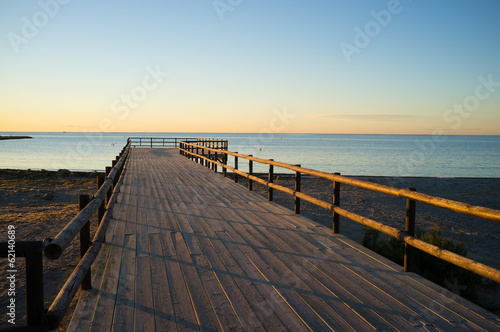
[(188, 249)]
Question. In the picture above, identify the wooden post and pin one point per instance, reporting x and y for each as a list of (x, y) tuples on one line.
[(115, 180), (197, 153), (102, 208), (151, 141), (235, 167), (224, 161), (271, 180), (250, 172), (109, 193), (410, 229), (212, 159), (336, 202), (34, 287), (83, 200), (297, 189)]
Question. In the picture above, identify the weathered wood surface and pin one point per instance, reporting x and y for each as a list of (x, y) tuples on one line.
[(191, 250)]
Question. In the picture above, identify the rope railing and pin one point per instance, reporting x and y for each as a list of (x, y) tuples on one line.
[(407, 236)]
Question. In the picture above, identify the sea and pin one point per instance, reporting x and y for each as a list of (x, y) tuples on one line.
[(371, 155)]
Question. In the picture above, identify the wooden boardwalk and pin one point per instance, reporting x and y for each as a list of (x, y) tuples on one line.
[(190, 250)]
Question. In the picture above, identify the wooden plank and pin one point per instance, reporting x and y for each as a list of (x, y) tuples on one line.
[(246, 257), (359, 277), (186, 317), (211, 255), (267, 318), (143, 302), (163, 307), (222, 304), (123, 316), (440, 306), (290, 279), (357, 299), (297, 267), (84, 310), (104, 309), (347, 278)]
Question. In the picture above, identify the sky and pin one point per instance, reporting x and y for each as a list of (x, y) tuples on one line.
[(322, 66)]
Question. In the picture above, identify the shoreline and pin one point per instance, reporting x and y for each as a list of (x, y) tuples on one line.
[(264, 174), (3, 138)]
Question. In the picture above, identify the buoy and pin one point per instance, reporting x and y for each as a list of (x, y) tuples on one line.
[(260, 149), (453, 144), (281, 137)]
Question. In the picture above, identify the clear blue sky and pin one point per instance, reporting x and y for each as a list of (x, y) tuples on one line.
[(331, 66)]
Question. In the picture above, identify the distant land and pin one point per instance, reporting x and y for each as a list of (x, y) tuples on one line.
[(14, 137)]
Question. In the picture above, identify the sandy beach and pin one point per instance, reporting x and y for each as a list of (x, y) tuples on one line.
[(40, 203)]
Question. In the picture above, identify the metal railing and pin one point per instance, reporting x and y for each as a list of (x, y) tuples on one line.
[(204, 154)]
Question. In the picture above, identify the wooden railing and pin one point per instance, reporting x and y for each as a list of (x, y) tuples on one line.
[(174, 142), (101, 203), (32, 252), (213, 157), (152, 142)]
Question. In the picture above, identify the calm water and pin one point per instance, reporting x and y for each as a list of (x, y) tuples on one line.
[(391, 155)]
